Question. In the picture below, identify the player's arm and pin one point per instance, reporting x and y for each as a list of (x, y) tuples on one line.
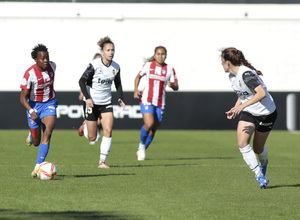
[(23, 100), (252, 81), (119, 88), (173, 86), (86, 79), (137, 80), (173, 82)]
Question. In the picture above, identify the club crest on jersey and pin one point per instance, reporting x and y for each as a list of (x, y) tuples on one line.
[(114, 72), (240, 84), (163, 71)]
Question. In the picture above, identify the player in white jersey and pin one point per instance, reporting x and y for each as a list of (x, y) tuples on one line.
[(83, 126), (38, 98), (152, 101), (256, 108), (95, 84)]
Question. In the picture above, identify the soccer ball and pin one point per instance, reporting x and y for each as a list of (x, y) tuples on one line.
[(46, 171)]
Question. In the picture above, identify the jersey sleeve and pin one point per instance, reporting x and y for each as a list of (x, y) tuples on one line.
[(53, 65), (86, 79), (251, 79), (173, 78), (144, 69), (26, 83), (118, 85)]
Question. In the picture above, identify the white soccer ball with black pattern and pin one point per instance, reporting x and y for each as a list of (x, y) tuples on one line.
[(46, 171)]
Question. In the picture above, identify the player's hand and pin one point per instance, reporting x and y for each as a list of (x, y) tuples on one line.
[(122, 103), (136, 94), (34, 115), (89, 103), (230, 115), (233, 112)]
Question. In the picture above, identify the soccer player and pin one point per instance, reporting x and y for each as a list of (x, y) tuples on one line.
[(152, 100), (83, 129), (256, 109), (95, 84), (38, 98)]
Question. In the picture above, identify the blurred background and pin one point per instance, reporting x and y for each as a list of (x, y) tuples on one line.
[(194, 32)]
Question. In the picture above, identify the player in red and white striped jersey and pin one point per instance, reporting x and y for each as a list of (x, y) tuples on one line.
[(153, 98), (38, 98)]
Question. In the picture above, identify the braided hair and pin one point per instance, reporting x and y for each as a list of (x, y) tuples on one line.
[(237, 58), (37, 48)]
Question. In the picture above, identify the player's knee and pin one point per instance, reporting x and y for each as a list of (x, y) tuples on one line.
[(92, 137), (242, 144), (37, 143), (148, 126)]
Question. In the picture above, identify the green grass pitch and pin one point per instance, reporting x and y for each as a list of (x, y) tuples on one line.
[(186, 175)]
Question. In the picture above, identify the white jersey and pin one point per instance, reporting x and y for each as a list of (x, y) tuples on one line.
[(99, 80), (244, 83)]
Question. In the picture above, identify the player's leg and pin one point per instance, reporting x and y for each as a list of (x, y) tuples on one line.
[(49, 122), (81, 129), (244, 132), (158, 117), (90, 130), (107, 121), (260, 149), (145, 130), (47, 114), (150, 137), (98, 132), (265, 125), (148, 112), (34, 136), (91, 117)]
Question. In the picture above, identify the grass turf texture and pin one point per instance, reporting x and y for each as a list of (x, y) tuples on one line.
[(187, 175)]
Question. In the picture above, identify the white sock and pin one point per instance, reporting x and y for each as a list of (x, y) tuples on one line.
[(263, 156), (98, 135), (105, 148), (85, 131), (37, 166), (250, 159)]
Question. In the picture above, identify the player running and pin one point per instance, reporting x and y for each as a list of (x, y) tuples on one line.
[(152, 101), (256, 108), (95, 84), (38, 98)]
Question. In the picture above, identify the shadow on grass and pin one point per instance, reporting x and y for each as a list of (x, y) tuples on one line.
[(61, 177), (156, 165), (13, 214), (280, 186)]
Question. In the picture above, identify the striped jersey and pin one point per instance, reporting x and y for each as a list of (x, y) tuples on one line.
[(244, 84), (39, 83), (156, 81)]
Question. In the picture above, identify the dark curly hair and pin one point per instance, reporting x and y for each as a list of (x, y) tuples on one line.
[(103, 41), (237, 58), (36, 49)]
